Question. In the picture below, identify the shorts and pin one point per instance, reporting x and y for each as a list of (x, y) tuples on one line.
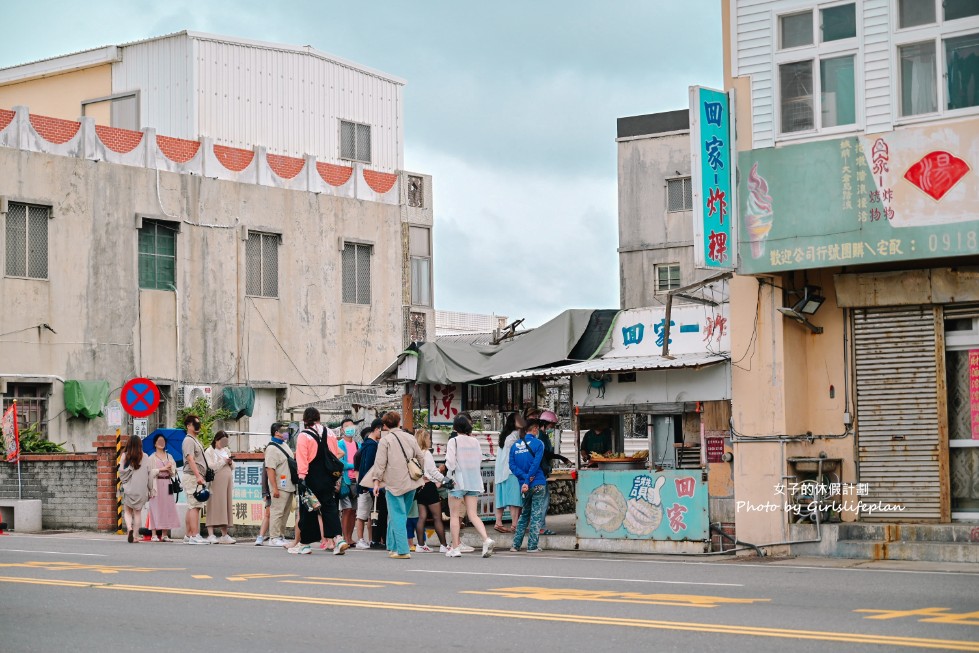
[(427, 494), (189, 483), (346, 503), (458, 494), (365, 503)]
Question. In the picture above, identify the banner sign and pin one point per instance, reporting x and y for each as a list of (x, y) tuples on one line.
[(11, 433), (974, 391), (712, 169), (446, 403), (877, 198), (642, 505), (693, 330)]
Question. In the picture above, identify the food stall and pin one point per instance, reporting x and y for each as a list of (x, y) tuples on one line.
[(659, 494)]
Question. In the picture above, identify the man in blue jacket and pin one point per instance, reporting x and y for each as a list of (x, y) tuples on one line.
[(525, 463), (364, 460)]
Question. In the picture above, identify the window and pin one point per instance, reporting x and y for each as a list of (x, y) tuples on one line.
[(937, 56), (416, 196), (356, 265), (355, 141), (157, 255), (27, 240), (420, 251), (667, 277), (262, 264), (679, 195), (121, 110), (817, 87), (32, 404)]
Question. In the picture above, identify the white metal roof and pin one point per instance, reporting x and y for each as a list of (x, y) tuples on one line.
[(621, 364)]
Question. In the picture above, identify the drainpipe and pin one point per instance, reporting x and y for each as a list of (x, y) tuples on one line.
[(666, 325)]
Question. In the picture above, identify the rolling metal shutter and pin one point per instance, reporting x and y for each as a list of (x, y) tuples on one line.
[(898, 410)]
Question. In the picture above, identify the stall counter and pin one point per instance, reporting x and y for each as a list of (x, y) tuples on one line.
[(642, 505)]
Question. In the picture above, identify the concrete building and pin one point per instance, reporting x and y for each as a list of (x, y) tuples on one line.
[(856, 307), (448, 323), (223, 213), (655, 204)]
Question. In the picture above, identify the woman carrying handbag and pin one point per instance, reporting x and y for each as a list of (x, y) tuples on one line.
[(163, 507)]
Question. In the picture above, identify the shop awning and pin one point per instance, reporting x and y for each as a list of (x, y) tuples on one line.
[(620, 364), (86, 398)]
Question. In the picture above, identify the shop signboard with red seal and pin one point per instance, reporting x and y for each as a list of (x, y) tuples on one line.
[(140, 397), (715, 449)]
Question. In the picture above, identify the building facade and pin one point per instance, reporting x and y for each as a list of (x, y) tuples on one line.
[(855, 312), (149, 237), (655, 204)]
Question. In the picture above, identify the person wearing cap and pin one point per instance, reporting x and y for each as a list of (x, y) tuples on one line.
[(348, 497), (281, 487), (548, 420), (526, 456)]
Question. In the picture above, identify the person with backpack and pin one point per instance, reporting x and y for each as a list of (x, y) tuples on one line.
[(282, 473), (526, 456), (319, 473)]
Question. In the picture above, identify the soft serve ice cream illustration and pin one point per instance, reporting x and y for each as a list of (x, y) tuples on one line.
[(758, 218)]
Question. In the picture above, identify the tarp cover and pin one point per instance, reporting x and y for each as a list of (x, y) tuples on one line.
[(175, 443), (240, 400), (86, 398), (550, 343)]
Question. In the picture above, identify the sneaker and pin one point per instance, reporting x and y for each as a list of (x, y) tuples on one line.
[(488, 547), (538, 550), (154, 539), (362, 544), (377, 545), (399, 556), (412, 548), (276, 542), (201, 540), (298, 549), (340, 548), (322, 546), (166, 538), (465, 548), (190, 540), (212, 539), (227, 539), (514, 549), (443, 548), (424, 548), (260, 540), (454, 553)]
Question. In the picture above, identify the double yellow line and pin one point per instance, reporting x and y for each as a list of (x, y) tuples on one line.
[(848, 638)]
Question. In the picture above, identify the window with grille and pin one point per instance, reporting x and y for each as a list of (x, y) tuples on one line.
[(416, 196), (679, 195), (157, 255), (421, 266), (667, 277), (27, 240), (32, 404), (262, 265), (355, 141), (356, 266)]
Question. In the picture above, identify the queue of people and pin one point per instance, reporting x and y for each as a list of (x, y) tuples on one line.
[(376, 493)]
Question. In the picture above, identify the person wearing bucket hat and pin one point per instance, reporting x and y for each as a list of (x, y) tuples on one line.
[(548, 420)]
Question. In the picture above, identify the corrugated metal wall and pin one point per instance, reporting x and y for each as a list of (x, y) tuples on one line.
[(898, 411), (243, 94), (757, 34), (162, 72)]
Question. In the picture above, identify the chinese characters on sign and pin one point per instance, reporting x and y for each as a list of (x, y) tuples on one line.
[(974, 391), (446, 403), (693, 330), (246, 496), (711, 147)]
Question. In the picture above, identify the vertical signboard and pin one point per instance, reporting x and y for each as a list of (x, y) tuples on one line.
[(712, 171), (974, 391)]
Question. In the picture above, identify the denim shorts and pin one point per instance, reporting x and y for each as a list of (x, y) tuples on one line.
[(458, 494)]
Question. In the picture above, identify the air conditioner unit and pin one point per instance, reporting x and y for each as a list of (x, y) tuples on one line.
[(194, 392)]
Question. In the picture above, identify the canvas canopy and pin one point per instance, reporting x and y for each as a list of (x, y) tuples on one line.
[(86, 398), (554, 342), (239, 399)]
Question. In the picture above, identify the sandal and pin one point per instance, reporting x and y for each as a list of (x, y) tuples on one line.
[(501, 529)]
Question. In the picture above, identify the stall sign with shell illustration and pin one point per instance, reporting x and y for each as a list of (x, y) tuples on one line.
[(668, 505)]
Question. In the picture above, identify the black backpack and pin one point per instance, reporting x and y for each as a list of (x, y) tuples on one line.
[(293, 465), (333, 465)]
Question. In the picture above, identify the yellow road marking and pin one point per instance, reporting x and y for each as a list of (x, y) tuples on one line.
[(596, 596), (359, 580), (75, 566), (320, 582), (235, 579), (199, 576), (755, 631), (249, 576), (934, 615)]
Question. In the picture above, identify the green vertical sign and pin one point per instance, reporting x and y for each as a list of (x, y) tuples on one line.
[(712, 169)]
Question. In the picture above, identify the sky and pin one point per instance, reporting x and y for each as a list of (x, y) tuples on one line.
[(510, 106)]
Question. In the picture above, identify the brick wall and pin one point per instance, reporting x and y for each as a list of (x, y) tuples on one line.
[(66, 485)]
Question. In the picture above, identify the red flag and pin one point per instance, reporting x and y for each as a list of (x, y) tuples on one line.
[(11, 433)]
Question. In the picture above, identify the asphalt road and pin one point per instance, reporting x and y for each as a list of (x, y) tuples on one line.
[(87, 592)]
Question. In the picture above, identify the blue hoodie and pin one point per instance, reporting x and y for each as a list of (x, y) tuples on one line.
[(525, 459), (367, 453)]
